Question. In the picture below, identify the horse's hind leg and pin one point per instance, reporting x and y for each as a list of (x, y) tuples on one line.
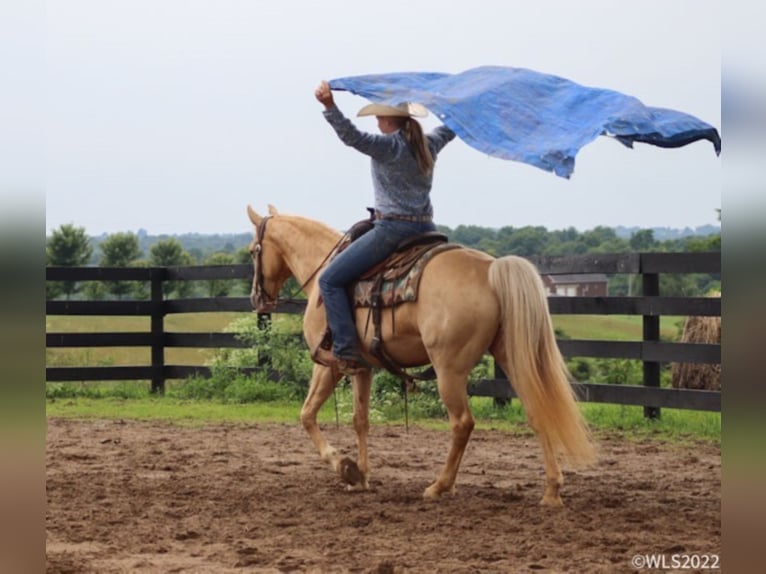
[(453, 394), (554, 479)]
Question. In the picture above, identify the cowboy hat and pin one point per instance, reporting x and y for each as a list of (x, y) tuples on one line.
[(402, 110)]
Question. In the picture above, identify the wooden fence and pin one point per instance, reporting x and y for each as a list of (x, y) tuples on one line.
[(651, 305)]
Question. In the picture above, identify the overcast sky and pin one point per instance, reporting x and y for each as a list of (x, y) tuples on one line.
[(173, 115)]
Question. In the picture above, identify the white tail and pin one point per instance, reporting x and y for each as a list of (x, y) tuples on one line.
[(536, 368)]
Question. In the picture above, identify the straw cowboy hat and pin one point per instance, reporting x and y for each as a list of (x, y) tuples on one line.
[(402, 110)]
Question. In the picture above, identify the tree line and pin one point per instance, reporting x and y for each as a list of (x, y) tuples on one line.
[(69, 245)]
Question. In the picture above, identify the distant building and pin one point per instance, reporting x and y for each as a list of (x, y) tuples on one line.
[(577, 285)]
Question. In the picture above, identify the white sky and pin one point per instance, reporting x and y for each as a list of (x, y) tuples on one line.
[(173, 115)]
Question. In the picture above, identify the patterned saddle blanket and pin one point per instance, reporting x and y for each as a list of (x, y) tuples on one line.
[(397, 279)]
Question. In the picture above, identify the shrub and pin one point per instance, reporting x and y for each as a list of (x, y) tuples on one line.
[(274, 347)]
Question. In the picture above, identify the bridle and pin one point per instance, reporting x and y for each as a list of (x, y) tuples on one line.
[(262, 300)]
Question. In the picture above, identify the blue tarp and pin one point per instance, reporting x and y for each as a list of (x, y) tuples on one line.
[(527, 116)]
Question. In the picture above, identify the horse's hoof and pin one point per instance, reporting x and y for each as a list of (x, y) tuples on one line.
[(553, 502), (349, 472), (359, 487), (432, 493)]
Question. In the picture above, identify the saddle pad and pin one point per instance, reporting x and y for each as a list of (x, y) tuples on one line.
[(400, 289)]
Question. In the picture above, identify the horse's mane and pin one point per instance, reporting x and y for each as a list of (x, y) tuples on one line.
[(317, 230)]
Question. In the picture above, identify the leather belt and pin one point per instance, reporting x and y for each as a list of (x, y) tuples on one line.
[(397, 217)]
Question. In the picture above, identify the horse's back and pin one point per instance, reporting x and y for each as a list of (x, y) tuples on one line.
[(458, 275), (455, 286), (455, 311)]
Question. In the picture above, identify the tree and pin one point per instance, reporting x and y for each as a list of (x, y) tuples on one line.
[(470, 235), (642, 240), (119, 250), (602, 239), (243, 257), (141, 290), (94, 291), (709, 243), (168, 253), (219, 287), (526, 241), (68, 246)]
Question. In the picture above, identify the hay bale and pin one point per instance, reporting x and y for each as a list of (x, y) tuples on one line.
[(699, 375)]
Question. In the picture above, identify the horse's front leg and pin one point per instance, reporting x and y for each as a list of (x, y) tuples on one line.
[(323, 381)]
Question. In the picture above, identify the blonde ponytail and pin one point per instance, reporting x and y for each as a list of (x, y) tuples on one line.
[(419, 145)]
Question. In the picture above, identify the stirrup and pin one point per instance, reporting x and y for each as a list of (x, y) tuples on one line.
[(352, 367), (324, 357)]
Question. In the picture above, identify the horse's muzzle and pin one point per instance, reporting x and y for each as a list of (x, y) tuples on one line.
[(263, 304)]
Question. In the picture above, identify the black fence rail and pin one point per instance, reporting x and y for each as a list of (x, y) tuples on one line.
[(650, 305)]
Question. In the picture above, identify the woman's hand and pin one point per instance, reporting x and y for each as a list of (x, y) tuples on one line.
[(324, 95)]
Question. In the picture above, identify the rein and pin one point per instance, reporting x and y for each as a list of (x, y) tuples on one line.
[(264, 299), (263, 296)]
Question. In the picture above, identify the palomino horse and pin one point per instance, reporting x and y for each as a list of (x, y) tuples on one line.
[(469, 303)]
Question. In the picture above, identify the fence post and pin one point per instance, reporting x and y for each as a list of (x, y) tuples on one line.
[(500, 374), (650, 287), (158, 331), (264, 322)]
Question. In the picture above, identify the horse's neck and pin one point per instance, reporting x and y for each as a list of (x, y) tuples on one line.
[(306, 245)]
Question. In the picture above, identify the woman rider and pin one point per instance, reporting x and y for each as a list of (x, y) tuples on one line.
[(402, 173)]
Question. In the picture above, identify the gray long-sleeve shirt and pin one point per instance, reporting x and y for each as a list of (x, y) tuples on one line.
[(399, 185)]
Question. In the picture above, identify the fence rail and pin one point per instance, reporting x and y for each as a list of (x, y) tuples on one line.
[(650, 305)]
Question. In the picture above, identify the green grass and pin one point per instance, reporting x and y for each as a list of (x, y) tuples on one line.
[(131, 399), (173, 410), (626, 421), (599, 327), (674, 424), (103, 356), (188, 322), (614, 327)]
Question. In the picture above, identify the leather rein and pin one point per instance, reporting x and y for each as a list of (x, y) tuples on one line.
[(263, 299)]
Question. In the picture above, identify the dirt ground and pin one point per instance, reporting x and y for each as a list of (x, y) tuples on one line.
[(128, 496)]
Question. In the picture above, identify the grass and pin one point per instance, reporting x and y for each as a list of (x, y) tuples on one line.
[(131, 400), (675, 424), (103, 356), (614, 327), (598, 327), (172, 410), (626, 421)]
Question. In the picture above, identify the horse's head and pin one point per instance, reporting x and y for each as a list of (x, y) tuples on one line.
[(270, 270)]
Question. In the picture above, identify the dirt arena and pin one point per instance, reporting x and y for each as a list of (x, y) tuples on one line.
[(128, 496)]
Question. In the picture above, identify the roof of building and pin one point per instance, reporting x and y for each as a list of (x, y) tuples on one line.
[(578, 278)]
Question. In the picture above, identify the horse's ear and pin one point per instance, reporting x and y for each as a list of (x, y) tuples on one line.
[(254, 217), (273, 210)]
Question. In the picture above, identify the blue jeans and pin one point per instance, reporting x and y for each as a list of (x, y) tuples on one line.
[(370, 249)]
